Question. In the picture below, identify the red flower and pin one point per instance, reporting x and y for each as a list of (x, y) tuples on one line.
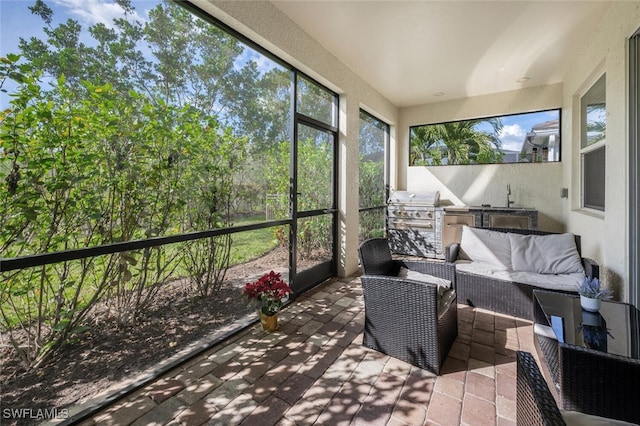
[(270, 291)]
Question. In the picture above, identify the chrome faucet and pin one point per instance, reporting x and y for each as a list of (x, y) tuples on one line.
[(509, 202)]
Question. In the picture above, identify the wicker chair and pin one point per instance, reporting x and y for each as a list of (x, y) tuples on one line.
[(401, 315)]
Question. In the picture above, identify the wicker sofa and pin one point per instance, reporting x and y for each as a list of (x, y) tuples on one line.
[(507, 291)]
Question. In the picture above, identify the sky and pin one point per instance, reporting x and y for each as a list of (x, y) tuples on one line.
[(515, 127), (16, 20)]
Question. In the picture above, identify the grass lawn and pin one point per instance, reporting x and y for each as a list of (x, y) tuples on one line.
[(246, 246)]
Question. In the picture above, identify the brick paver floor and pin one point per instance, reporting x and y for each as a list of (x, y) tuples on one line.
[(314, 371)]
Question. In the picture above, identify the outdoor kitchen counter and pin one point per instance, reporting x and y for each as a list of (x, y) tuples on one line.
[(418, 225), (499, 217)]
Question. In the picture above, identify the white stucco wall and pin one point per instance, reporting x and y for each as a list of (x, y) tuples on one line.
[(264, 24), (532, 185), (605, 237)]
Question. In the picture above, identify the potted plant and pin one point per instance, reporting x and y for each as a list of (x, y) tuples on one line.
[(271, 293), (591, 294)]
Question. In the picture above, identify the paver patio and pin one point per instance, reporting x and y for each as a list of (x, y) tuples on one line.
[(314, 370)]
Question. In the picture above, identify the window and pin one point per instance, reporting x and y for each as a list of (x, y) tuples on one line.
[(316, 102), (593, 136), (374, 135), (517, 138)]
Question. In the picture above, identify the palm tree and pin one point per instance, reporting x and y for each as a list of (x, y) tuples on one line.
[(458, 142), (596, 123)]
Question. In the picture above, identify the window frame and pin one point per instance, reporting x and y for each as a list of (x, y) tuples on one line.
[(523, 158), (586, 149), (385, 128)]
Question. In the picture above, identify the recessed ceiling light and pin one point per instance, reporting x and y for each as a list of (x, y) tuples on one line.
[(438, 94), (523, 80)]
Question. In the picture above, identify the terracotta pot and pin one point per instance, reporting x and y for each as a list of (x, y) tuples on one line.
[(269, 322)]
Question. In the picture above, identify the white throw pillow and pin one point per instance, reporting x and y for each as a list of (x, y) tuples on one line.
[(486, 246), (443, 284), (545, 254)]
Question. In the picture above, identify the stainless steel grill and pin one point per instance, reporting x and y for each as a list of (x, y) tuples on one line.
[(414, 223)]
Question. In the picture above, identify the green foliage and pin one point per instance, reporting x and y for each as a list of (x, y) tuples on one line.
[(104, 155), (53, 202), (371, 188), (372, 193), (314, 237), (315, 101), (371, 185), (455, 143), (372, 224), (315, 154), (211, 194), (49, 306), (103, 143), (315, 177), (278, 182)]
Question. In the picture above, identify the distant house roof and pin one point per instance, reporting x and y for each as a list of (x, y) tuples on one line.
[(542, 135)]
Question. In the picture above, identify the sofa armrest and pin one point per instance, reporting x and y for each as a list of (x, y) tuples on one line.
[(451, 252), (591, 267), (438, 269)]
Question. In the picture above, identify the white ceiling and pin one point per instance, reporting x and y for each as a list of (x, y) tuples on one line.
[(410, 51)]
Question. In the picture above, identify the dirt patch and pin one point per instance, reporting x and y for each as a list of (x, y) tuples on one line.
[(109, 355)]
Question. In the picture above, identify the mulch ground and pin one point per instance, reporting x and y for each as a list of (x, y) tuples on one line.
[(108, 355)]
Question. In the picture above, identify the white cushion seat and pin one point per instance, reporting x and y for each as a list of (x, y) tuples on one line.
[(563, 282), (545, 261)]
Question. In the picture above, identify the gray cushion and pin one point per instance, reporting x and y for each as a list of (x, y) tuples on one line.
[(545, 254), (443, 284), (486, 246)]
